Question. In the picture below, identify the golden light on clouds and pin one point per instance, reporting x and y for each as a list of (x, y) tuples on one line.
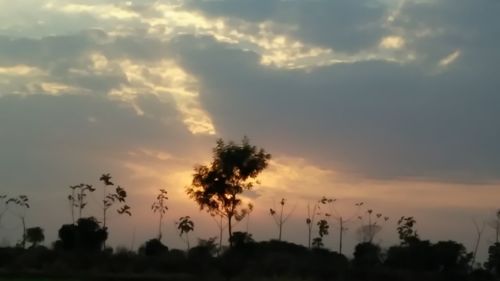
[(166, 80), (104, 11), (392, 42), (449, 59), (20, 70), (54, 88)]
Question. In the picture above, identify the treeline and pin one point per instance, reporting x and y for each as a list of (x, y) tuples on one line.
[(81, 250)]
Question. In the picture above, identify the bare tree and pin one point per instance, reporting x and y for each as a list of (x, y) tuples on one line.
[(367, 231), (280, 217), (22, 202), (160, 206), (312, 211), (3, 206), (341, 220), (495, 224), (479, 234)]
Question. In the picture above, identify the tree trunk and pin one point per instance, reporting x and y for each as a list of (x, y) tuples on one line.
[(340, 236), (279, 236), (159, 227), (23, 243), (230, 230), (309, 236)]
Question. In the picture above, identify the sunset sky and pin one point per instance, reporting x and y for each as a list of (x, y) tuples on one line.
[(393, 103)]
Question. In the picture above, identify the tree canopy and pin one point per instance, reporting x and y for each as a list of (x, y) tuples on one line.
[(215, 187)]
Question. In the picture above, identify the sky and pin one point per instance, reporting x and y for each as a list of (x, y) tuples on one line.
[(388, 102)]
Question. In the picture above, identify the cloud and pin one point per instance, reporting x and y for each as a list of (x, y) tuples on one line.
[(373, 119)]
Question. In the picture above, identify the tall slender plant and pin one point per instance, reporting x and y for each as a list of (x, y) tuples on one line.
[(280, 216), (160, 206)]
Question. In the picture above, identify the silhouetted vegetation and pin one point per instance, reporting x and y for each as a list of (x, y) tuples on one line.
[(80, 252), (216, 187)]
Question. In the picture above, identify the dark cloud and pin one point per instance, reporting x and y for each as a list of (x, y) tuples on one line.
[(445, 26), (344, 25), (375, 119)]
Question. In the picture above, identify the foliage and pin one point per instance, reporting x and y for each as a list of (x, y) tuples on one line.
[(86, 235), (310, 220), (160, 206), (406, 230), (367, 254), (119, 195), (493, 263), (153, 247), (233, 169), (185, 225), (77, 198), (34, 235)]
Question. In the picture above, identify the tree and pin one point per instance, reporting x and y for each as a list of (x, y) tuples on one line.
[(22, 202), (249, 211), (366, 254), (216, 187), (479, 233), (85, 235), (4, 206), (77, 198), (119, 195), (185, 225), (160, 206), (493, 263), (310, 220), (339, 218), (368, 231), (406, 231), (280, 218), (35, 235), (153, 247), (322, 231), (495, 224)]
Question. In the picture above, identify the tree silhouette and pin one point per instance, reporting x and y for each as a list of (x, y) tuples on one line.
[(406, 230), (185, 225), (368, 231), (3, 206), (322, 231), (85, 235), (339, 218), (160, 206), (77, 198), (216, 187), (310, 220), (493, 263), (367, 254), (22, 202), (119, 195), (34, 235), (153, 247), (317, 242), (479, 234), (249, 211), (495, 224), (280, 218)]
